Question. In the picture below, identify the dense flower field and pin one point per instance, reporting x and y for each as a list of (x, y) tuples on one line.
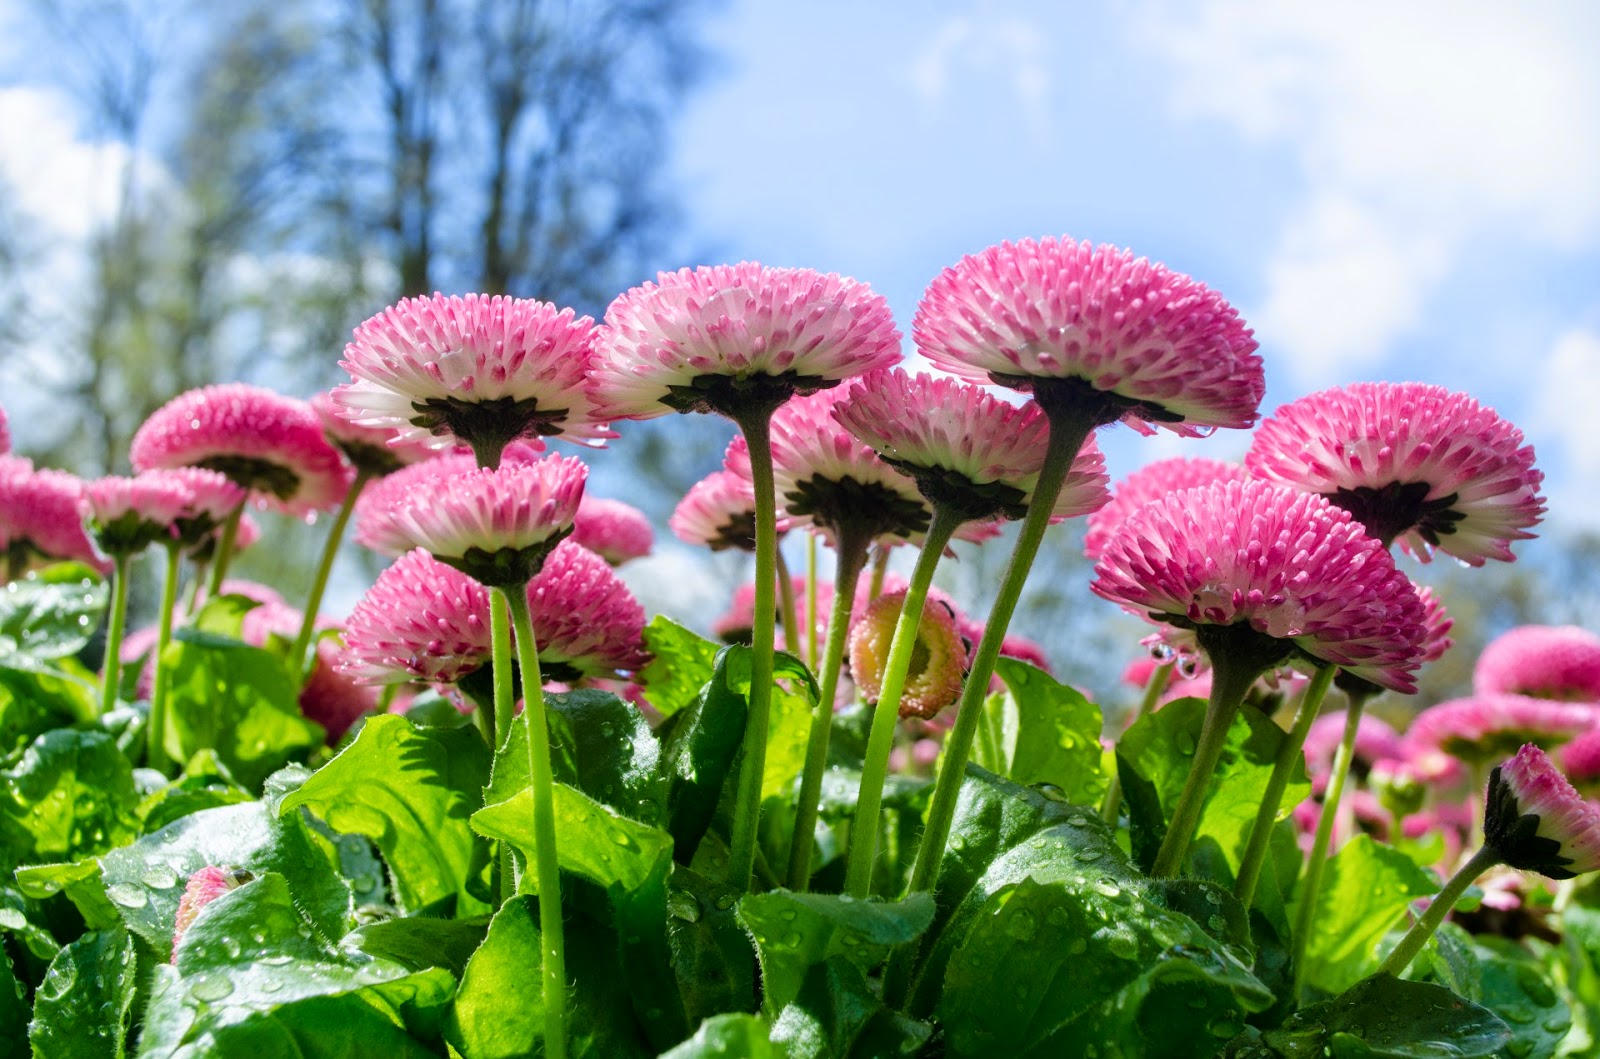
[(499, 811)]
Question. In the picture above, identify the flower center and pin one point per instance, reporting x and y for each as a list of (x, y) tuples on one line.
[(257, 475), (1393, 509)]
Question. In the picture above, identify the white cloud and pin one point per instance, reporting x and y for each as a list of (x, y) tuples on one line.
[(965, 45), (1563, 425), (1416, 126)]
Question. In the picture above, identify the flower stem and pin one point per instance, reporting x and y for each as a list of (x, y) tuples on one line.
[(1112, 806), (156, 748), (1067, 435), (1440, 906), (547, 867), (1311, 881), (1229, 681), (811, 599), (112, 666), (791, 613), (757, 428), (1255, 851), (852, 549), (880, 740), (505, 704), (219, 565), (880, 568), (330, 551)]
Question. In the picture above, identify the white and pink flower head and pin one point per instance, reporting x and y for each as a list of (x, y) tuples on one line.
[(1290, 566), (825, 477), (727, 338), (1415, 463), (376, 451), (1376, 740), (965, 448), (209, 498), (613, 530), (41, 515), (203, 887), (127, 515), (1543, 662), (421, 620), (476, 370), (719, 512), (1152, 482), (1484, 728), (268, 444), (495, 524), (1581, 759), (1132, 338), (1535, 820), (938, 662), (586, 620)]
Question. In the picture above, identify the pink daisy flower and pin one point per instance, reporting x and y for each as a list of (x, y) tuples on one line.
[(1581, 759), (125, 515), (1291, 566), (476, 369), (964, 446), (1414, 463), (269, 444), (376, 450), (938, 663), (827, 479), (209, 498), (1537, 822), (330, 697), (719, 512), (41, 515), (203, 887), (5, 434), (726, 337), (1153, 345), (1152, 482), (421, 620), (586, 621), (615, 531), (1376, 740), (1482, 728), (494, 524), (376, 506), (1541, 661)]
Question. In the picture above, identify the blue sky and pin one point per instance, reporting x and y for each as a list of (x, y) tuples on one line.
[(1386, 191)]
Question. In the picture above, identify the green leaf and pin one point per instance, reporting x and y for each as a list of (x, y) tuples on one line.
[(1517, 989), (83, 1006), (1043, 732), (789, 729), (13, 1009), (681, 665), (237, 700), (145, 880), (836, 1015), (418, 943), (699, 755), (1384, 1017), (599, 744), (15, 911), (51, 613), (224, 616), (411, 790), (593, 840), (252, 977), (499, 1009), (71, 794), (1048, 940), (713, 962), (81, 883), (35, 700), (722, 1036), (1365, 888), (794, 932), (1156, 755), (197, 789)]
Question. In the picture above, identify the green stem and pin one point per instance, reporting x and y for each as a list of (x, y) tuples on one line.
[(1289, 754), (330, 551), (219, 565), (852, 551), (757, 428), (505, 704), (1229, 682), (16, 560), (1159, 678), (791, 613), (112, 665), (1443, 901), (547, 867), (880, 569), (198, 587), (156, 748), (1067, 436), (811, 599), (1311, 881)]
